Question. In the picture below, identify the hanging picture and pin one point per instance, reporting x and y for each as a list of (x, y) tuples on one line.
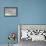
[(10, 11)]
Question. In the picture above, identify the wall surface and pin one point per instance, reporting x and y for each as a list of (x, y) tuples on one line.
[(29, 12)]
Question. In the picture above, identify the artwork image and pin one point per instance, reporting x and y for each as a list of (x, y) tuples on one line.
[(10, 11), (33, 32)]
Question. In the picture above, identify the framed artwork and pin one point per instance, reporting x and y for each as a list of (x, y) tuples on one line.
[(33, 32), (11, 11)]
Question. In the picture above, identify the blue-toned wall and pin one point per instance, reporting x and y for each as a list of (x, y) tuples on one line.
[(29, 12)]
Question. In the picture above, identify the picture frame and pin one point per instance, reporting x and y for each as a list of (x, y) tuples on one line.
[(10, 11), (37, 29)]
